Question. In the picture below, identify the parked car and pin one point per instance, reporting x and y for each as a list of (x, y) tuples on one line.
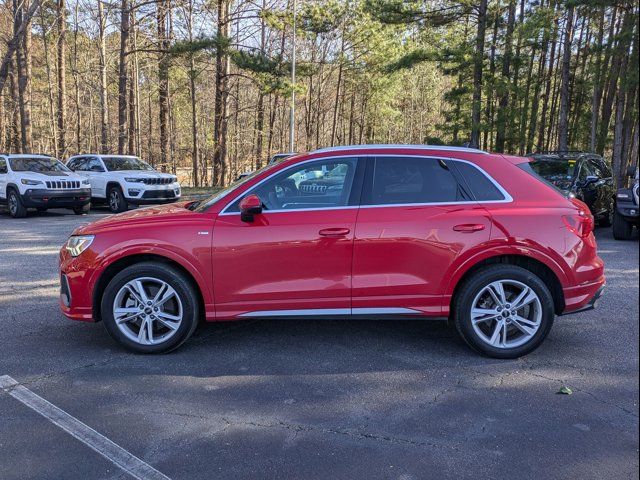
[(586, 176), (123, 180), (627, 211), (399, 232), (41, 182)]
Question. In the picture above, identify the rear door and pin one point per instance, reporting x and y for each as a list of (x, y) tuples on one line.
[(416, 218), (4, 173)]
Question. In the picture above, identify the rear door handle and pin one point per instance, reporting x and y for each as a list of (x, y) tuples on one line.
[(469, 227), (334, 232)]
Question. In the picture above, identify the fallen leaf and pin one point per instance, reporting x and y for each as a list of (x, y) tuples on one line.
[(565, 391)]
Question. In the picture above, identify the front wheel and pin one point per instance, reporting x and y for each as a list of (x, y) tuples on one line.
[(150, 308), (16, 207), (503, 311), (83, 210), (117, 202), (622, 229)]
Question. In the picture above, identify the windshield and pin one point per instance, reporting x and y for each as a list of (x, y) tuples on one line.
[(202, 205), (559, 173), (114, 164), (37, 164)]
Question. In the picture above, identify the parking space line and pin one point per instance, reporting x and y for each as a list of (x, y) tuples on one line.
[(87, 435)]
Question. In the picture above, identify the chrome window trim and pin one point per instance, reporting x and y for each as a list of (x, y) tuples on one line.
[(507, 197)]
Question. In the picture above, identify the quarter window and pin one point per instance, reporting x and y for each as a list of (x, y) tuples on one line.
[(321, 184), (3, 166), (483, 189), (408, 180)]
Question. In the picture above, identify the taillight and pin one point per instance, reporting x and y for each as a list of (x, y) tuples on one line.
[(581, 223)]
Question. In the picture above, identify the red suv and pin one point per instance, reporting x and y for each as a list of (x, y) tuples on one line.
[(388, 231)]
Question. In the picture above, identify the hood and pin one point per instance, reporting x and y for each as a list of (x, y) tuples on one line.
[(171, 213), (50, 175)]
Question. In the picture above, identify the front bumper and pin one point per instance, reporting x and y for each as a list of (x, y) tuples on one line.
[(41, 197), (152, 196), (76, 285)]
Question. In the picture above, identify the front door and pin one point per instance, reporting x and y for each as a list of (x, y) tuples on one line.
[(294, 259)]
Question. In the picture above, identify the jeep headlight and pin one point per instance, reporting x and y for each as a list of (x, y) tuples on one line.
[(86, 182), (26, 181), (78, 244), (134, 180)]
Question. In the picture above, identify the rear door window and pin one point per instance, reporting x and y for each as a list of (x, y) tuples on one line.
[(411, 180)]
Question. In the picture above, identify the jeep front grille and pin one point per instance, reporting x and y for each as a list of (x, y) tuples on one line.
[(313, 189), (157, 181), (63, 184)]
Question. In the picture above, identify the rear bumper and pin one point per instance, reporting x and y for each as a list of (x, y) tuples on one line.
[(583, 297), (37, 198)]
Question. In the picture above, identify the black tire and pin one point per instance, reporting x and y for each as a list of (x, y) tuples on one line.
[(116, 200), (41, 209), (183, 288), (475, 283), (15, 205), (83, 210), (622, 229)]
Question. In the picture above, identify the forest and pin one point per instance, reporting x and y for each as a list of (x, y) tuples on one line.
[(204, 88)]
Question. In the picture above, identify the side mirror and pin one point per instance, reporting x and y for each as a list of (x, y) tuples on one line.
[(249, 206)]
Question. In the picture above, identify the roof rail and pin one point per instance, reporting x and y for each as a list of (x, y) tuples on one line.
[(390, 146)]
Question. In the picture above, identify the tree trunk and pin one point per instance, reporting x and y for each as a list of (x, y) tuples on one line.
[(23, 62), (503, 104), (478, 63), (62, 87), (104, 101), (563, 121), (162, 7), (122, 76), (221, 95)]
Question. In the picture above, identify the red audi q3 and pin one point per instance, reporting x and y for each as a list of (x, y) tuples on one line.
[(372, 231)]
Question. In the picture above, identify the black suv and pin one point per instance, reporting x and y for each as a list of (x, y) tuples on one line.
[(583, 175)]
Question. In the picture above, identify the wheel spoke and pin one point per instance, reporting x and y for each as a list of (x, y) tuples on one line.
[(167, 294), (169, 321), (495, 339), (523, 325), (145, 335), (496, 290), (123, 315), (479, 315), (525, 298)]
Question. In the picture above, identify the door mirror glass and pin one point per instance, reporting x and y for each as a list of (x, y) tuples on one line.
[(249, 206)]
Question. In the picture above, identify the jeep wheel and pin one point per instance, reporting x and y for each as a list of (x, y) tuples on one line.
[(16, 208), (621, 228), (82, 210), (117, 202)]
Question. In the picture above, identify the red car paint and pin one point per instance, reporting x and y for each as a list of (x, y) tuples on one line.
[(405, 256)]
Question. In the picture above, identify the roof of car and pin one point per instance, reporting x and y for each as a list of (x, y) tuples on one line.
[(26, 155), (103, 155), (401, 146), (563, 155)]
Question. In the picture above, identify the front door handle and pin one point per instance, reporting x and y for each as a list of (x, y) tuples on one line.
[(469, 227), (334, 232)]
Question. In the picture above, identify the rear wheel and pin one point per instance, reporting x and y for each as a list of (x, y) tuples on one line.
[(503, 311), (85, 209), (621, 228), (16, 207), (117, 202), (150, 308)]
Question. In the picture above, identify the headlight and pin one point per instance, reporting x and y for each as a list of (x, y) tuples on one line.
[(26, 181), (86, 182), (134, 180), (78, 244)]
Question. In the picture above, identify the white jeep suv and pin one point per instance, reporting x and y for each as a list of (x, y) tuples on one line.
[(123, 180), (41, 182)]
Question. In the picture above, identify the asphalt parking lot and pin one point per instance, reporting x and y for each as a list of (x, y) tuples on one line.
[(313, 399)]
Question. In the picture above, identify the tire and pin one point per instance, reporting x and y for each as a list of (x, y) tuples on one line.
[(116, 200), (474, 293), (607, 220), (183, 304), (15, 205), (621, 228), (41, 209), (85, 209)]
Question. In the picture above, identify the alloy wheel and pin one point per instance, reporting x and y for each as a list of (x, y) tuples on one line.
[(114, 199), (13, 204), (147, 310), (506, 314)]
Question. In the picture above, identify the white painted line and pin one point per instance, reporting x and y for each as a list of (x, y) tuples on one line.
[(87, 435)]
